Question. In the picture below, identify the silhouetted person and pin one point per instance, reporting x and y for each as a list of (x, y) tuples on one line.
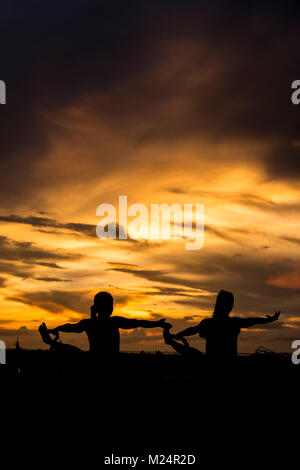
[(102, 328), (221, 331)]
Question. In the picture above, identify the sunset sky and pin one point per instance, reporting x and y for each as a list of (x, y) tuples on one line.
[(165, 102)]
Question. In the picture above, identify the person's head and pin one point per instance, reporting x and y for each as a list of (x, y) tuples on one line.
[(103, 304), (224, 304)]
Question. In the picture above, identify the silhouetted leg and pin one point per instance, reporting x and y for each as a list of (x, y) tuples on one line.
[(178, 347), (54, 344)]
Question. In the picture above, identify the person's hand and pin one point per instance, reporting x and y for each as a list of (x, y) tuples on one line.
[(274, 317), (164, 324)]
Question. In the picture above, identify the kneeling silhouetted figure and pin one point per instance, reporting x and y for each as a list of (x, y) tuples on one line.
[(221, 331)]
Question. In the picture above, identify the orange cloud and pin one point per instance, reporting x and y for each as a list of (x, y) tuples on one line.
[(289, 280)]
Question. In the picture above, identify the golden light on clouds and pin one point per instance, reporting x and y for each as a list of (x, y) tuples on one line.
[(172, 111)]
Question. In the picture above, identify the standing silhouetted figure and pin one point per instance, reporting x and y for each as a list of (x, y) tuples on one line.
[(102, 328), (221, 331)]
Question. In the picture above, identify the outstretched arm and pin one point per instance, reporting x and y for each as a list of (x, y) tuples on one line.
[(247, 322), (128, 323), (70, 328), (153, 324), (193, 330)]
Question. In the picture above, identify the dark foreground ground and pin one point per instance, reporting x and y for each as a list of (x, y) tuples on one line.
[(150, 403), (264, 368), (162, 369)]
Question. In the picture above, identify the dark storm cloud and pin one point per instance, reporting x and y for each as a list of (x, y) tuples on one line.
[(176, 191), (231, 66), (19, 258), (85, 229), (157, 276), (120, 264), (284, 157), (23, 269), (55, 301), (265, 205), (15, 269), (163, 290), (88, 230), (248, 278), (46, 67), (49, 265), (292, 240)]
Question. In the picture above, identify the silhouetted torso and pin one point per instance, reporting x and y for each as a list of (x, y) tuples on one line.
[(103, 334), (221, 337)]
